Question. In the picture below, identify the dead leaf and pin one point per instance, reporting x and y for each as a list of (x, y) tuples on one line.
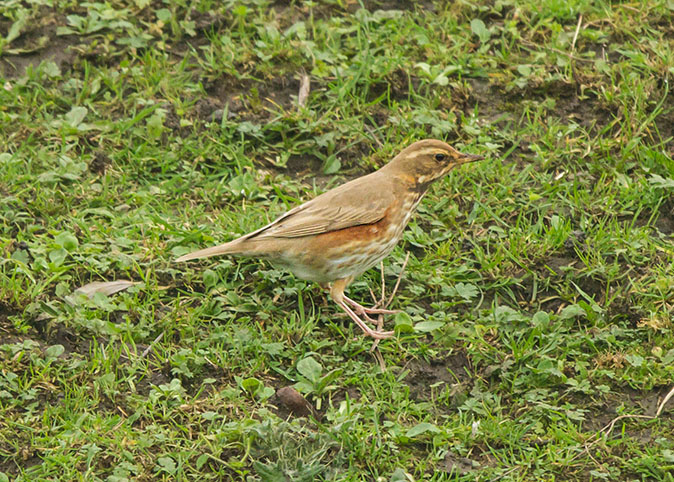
[(108, 288), (305, 86)]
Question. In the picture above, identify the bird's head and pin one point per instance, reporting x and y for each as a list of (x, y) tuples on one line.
[(425, 161)]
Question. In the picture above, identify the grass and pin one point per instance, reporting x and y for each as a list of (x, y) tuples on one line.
[(537, 301)]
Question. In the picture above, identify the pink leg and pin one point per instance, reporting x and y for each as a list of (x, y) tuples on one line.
[(337, 294), (378, 335), (360, 309)]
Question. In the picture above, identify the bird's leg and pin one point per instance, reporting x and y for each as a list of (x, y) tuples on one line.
[(337, 294), (383, 301), (377, 335), (361, 310)]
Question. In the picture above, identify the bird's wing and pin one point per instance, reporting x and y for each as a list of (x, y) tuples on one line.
[(352, 204)]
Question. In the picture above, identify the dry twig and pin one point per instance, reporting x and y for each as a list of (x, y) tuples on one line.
[(575, 35), (608, 428), (305, 88)]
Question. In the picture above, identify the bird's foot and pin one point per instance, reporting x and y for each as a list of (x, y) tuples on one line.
[(362, 310), (377, 333), (383, 302), (380, 306)]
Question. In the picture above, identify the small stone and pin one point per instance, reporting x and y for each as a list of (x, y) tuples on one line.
[(294, 401)]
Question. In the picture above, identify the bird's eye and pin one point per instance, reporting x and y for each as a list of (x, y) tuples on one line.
[(440, 157)]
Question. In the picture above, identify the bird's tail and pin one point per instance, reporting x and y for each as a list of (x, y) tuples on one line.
[(233, 247)]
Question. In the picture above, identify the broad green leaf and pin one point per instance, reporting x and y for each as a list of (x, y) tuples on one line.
[(164, 14), (480, 29), (331, 165), (167, 464), (304, 386), (18, 26), (201, 461), (467, 291), (76, 115), (635, 360), (251, 385), (21, 255), (541, 319), (428, 326), (155, 123), (524, 70), (403, 322), (66, 240), (58, 256), (571, 311), (54, 351), (668, 359), (248, 127), (399, 475), (265, 393), (422, 428), (210, 278), (661, 182), (310, 369), (51, 69)]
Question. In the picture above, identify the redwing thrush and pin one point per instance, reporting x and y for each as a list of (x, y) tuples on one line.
[(335, 237)]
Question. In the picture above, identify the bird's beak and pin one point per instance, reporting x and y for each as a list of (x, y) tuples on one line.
[(470, 158)]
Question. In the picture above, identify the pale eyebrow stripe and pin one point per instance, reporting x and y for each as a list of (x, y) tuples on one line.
[(428, 150)]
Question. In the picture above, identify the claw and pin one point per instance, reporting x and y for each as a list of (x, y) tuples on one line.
[(376, 334), (360, 309), (337, 294)]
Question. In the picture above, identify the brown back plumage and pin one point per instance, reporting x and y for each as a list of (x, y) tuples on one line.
[(362, 201)]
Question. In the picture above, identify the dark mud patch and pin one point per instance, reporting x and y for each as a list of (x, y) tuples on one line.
[(207, 21), (665, 126), (587, 112), (622, 402), (497, 105), (553, 282), (26, 458), (289, 12), (209, 109), (454, 371), (556, 265), (398, 85), (493, 106), (252, 100), (8, 333), (357, 159), (99, 162), (624, 308), (71, 342), (303, 165), (155, 378), (37, 43), (570, 104), (404, 5), (57, 50), (665, 221), (457, 465), (47, 332), (536, 283)]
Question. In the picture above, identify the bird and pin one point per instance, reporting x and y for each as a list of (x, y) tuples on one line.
[(335, 237)]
